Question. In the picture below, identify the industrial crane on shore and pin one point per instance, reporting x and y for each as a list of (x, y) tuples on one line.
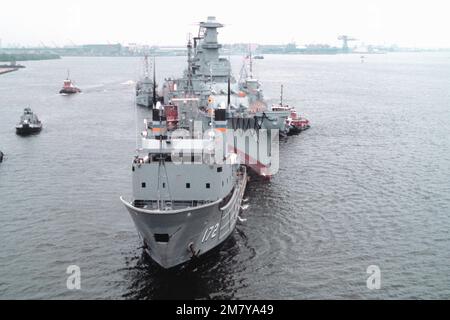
[(345, 40)]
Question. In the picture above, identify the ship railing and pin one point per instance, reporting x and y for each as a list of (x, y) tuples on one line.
[(230, 198), (169, 205)]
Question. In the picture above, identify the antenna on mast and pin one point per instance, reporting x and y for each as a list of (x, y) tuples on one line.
[(146, 65), (229, 94), (154, 83), (281, 96), (211, 91)]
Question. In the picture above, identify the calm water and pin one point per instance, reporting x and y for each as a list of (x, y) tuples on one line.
[(369, 184)]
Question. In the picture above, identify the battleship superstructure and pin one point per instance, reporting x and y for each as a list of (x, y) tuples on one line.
[(209, 79)]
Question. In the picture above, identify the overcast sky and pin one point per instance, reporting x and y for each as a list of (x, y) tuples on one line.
[(421, 23)]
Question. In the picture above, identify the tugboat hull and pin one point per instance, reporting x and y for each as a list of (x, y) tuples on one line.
[(174, 237), (69, 91), (293, 130)]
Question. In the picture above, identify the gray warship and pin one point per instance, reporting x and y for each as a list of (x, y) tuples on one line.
[(146, 93), (190, 174)]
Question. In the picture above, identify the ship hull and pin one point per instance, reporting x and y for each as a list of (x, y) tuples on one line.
[(146, 100), (27, 130), (174, 237), (294, 130)]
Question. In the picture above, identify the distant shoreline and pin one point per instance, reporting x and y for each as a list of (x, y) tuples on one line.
[(7, 57), (300, 53)]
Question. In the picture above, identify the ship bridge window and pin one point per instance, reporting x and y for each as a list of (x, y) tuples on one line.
[(161, 237), (143, 185), (157, 157), (208, 186), (219, 169), (188, 185)]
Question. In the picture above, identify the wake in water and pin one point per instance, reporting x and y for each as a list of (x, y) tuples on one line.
[(129, 83), (106, 87)]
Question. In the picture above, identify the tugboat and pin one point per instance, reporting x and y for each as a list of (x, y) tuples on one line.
[(294, 123), (29, 123), (190, 173), (209, 80), (69, 87)]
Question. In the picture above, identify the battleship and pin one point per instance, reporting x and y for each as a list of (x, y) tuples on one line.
[(190, 174), (29, 123), (146, 93), (209, 78)]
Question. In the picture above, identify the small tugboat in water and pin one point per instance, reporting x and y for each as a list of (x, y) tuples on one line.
[(29, 123), (69, 87), (296, 123)]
